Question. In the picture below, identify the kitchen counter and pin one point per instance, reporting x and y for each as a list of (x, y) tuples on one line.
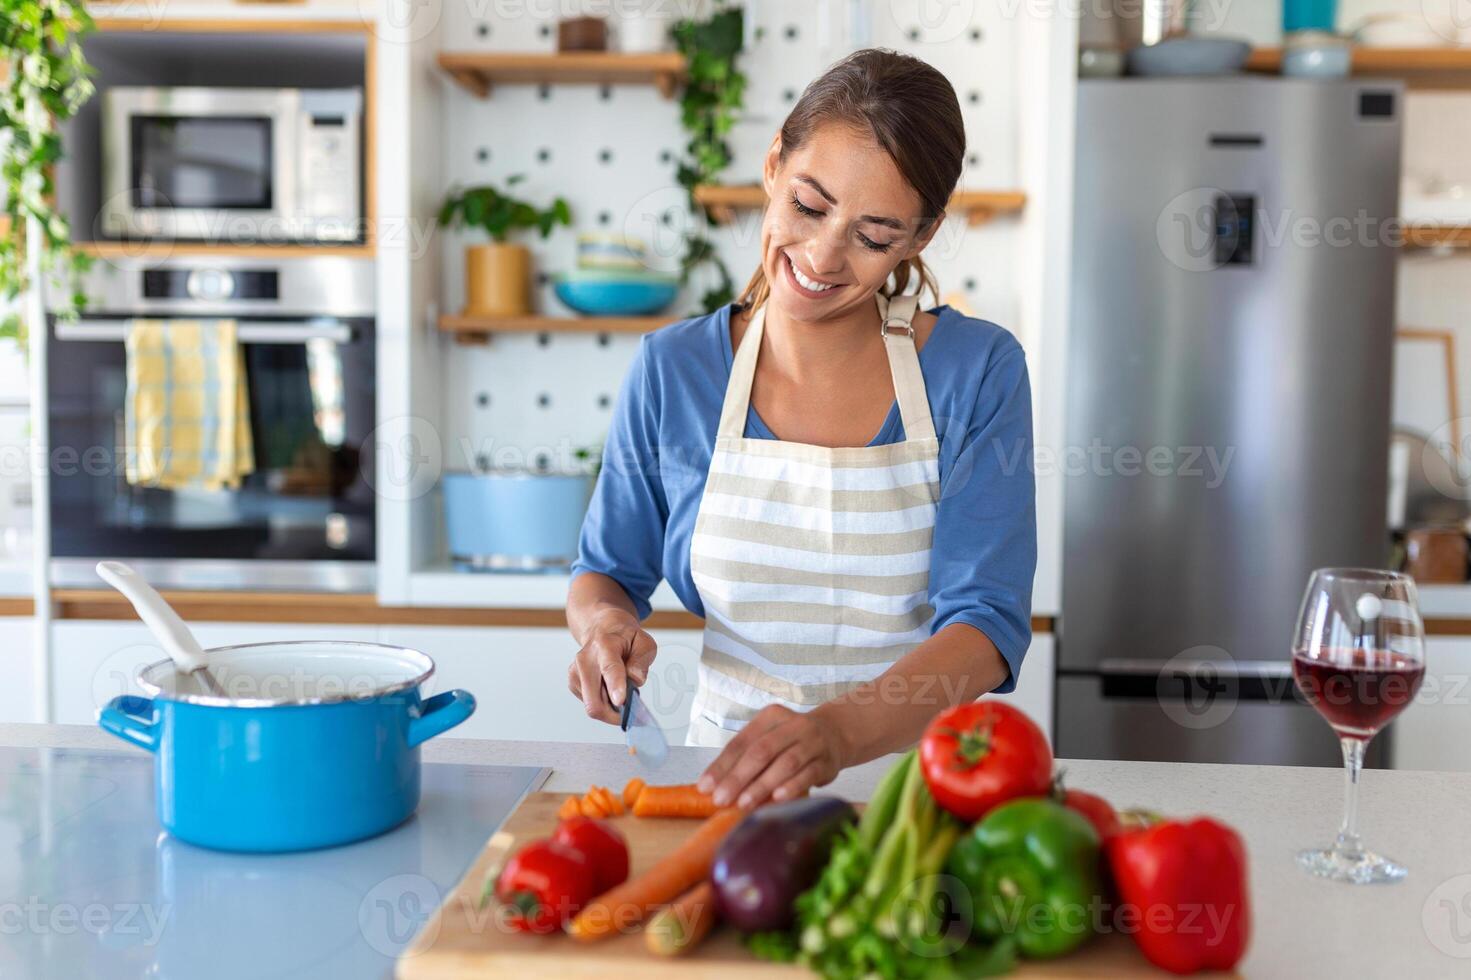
[(1302, 926)]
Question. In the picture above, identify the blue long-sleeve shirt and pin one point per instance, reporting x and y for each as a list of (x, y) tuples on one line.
[(984, 554)]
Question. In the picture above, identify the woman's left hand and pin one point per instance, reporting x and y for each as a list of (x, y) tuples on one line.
[(779, 755)]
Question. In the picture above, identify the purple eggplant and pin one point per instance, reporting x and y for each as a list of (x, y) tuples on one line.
[(773, 856)]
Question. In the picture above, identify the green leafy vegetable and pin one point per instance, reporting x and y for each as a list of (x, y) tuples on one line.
[(882, 906)]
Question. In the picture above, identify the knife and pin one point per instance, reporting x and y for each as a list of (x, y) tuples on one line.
[(641, 731)]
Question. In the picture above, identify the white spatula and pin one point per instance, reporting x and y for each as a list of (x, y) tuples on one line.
[(181, 646)]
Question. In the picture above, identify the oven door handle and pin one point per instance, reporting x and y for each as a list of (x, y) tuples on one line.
[(246, 332)]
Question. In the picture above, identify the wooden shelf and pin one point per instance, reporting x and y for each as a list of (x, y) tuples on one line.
[(979, 207), (1419, 67), (478, 72), (472, 329), (155, 251), (1438, 236)]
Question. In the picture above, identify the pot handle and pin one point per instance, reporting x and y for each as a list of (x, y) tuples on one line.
[(130, 718), (439, 714)]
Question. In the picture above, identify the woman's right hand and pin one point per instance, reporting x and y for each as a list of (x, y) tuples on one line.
[(617, 651)]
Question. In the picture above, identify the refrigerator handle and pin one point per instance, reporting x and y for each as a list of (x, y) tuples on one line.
[(1263, 681)]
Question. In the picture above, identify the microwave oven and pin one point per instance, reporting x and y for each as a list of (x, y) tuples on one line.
[(232, 165)]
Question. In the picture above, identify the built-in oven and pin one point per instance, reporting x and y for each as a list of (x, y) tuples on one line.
[(304, 517), (232, 164)]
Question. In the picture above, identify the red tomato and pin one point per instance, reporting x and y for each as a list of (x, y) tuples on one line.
[(1100, 812), (545, 884), (605, 849), (976, 756)]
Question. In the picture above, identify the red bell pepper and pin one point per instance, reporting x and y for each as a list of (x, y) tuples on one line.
[(1184, 894), (544, 885), (604, 847)]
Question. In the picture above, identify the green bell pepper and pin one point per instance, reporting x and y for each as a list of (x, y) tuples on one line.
[(1031, 869)]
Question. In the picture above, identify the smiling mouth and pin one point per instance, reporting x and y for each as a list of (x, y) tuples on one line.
[(813, 286)]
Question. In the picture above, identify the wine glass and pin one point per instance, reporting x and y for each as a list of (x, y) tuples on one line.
[(1358, 656)]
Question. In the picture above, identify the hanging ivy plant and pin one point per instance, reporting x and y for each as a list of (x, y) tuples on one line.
[(46, 78), (713, 94)]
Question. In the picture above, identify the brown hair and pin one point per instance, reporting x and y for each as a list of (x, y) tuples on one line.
[(913, 114)]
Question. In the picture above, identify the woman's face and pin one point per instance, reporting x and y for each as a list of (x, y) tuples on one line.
[(841, 218)]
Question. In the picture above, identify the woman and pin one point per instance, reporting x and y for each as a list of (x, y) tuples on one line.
[(853, 584)]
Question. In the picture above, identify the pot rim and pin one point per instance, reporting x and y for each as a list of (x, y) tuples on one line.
[(215, 701)]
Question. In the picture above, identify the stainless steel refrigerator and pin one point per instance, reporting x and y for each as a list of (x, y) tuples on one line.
[(1228, 403)]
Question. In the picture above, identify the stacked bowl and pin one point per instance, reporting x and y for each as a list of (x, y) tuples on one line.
[(612, 278)]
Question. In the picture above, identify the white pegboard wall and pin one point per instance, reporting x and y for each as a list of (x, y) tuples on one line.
[(611, 153)]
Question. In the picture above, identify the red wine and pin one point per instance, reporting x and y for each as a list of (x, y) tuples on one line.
[(1357, 690)]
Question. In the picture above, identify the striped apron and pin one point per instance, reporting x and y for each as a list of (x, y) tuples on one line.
[(812, 563)]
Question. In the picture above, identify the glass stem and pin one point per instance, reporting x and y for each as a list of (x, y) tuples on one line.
[(1348, 842)]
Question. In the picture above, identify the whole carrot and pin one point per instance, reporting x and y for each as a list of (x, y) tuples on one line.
[(630, 903), (680, 926), (673, 801)]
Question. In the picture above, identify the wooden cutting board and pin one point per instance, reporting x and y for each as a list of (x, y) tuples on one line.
[(462, 940)]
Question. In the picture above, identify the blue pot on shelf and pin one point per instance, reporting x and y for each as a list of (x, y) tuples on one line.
[(515, 521), (312, 744)]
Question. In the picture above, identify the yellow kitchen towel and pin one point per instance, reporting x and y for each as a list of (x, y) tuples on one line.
[(187, 411)]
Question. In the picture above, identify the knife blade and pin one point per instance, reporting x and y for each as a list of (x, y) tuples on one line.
[(646, 741)]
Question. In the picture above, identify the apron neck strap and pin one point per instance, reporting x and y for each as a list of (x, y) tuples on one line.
[(897, 325), (896, 316)]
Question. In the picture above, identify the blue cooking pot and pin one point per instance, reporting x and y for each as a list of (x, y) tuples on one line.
[(311, 744)]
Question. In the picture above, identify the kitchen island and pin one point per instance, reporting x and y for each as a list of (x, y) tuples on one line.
[(1302, 926)]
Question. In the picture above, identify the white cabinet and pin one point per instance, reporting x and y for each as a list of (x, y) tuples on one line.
[(519, 679), (17, 662), (1034, 690), (93, 661), (518, 675), (1435, 731)]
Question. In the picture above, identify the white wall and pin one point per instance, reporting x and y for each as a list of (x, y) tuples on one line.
[(612, 156)]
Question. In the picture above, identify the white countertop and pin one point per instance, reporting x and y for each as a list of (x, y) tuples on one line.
[(1302, 926), (1445, 601), (15, 577)]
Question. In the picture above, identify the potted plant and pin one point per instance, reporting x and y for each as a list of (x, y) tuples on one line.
[(44, 80), (498, 275)]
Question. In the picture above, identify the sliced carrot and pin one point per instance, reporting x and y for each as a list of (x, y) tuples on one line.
[(591, 808), (680, 926), (631, 791), (673, 801), (623, 907), (608, 801), (571, 807)]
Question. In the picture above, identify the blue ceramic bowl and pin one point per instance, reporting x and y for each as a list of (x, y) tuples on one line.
[(514, 521), (314, 743), (1189, 56), (632, 296)]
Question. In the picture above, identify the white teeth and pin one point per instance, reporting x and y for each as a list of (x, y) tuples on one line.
[(812, 284)]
